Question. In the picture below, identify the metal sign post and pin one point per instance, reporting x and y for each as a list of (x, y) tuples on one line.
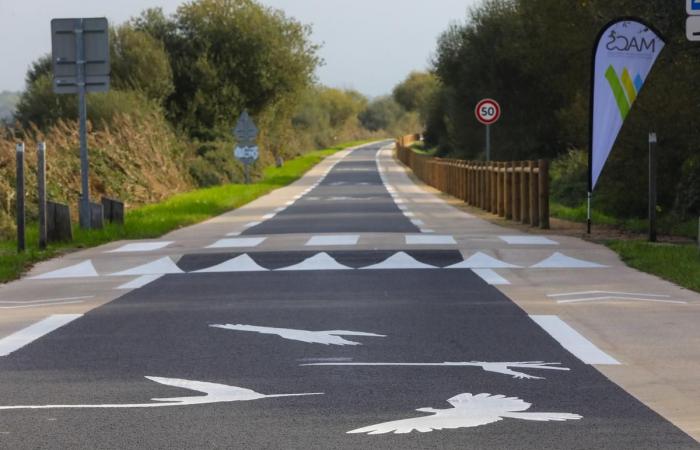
[(80, 55), (41, 182), (652, 187), (488, 112), (21, 245), (246, 150)]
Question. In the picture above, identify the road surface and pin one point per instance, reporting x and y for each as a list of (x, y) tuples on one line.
[(339, 294)]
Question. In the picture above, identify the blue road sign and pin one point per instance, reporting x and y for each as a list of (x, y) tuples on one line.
[(693, 7)]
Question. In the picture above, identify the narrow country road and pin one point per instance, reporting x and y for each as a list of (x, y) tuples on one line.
[(348, 290)]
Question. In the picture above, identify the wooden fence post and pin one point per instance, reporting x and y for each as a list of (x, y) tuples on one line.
[(516, 191), (534, 196), (524, 193), (507, 190), (543, 178)]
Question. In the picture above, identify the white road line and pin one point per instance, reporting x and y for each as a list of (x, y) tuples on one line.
[(280, 209), (567, 294), (289, 203), (252, 224), (139, 282), (417, 239), (491, 277), (46, 300), (417, 222), (37, 305), (615, 298), (333, 240), (528, 240), (269, 216), (33, 332), (237, 243), (141, 247), (235, 233), (427, 230), (574, 342)]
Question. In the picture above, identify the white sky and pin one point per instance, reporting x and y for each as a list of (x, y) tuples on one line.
[(368, 45)]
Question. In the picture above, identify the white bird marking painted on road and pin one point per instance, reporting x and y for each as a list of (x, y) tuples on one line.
[(598, 296), (215, 393), (331, 337), (467, 411), (495, 367)]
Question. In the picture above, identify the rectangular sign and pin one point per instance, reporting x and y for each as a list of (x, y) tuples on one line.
[(692, 28), (64, 52), (693, 7)]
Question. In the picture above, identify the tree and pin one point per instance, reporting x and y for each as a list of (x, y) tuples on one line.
[(140, 63), (416, 91), (381, 113), (231, 55)]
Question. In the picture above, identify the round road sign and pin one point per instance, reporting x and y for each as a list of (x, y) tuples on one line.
[(488, 111)]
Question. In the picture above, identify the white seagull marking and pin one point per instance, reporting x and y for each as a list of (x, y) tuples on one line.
[(467, 411), (495, 367), (331, 337), (214, 393)]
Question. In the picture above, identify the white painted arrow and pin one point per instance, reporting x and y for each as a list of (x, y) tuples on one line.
[(331, 337), (467, 411), (214, 393), (495, 367)]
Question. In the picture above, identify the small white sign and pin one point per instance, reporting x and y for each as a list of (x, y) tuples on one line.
[(693, 7), (692, 28), (246, 153)]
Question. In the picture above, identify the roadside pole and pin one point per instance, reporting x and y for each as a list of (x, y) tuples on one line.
[(82, 108), (80, 60), (41, 181), (21, 244), (652, 187), (488, 142)]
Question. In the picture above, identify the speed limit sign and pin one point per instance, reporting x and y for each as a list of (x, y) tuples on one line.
[(488, 111)]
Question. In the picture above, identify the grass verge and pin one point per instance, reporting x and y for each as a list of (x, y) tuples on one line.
[(667, 224), (679, 264), (154, 220)]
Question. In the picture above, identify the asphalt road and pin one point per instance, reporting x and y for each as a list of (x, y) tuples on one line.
[(247, 329)]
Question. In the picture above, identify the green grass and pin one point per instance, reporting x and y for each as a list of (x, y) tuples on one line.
[(667, 224), (419, 147), (679, 264), (154, 220)]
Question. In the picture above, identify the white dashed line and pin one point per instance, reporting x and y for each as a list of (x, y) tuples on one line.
[(33, 332), (417, 239), (573, 341), (237, 243), (333, 240), (491, 277), (141, 247)]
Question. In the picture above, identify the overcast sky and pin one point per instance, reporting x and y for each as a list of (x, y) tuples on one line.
[(368, 45)]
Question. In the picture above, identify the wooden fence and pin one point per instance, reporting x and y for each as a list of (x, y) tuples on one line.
[(514, 190)]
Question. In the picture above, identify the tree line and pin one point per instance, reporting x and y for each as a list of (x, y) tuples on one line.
[(534, 57)]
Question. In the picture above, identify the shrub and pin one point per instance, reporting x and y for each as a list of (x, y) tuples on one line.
[(569, 175)]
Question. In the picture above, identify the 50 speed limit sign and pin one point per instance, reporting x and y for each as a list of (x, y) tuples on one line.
[(488, 111)]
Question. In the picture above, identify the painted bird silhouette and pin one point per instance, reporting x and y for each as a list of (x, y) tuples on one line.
[(467, 411), (331, 337), (504, 368), (214, 393)]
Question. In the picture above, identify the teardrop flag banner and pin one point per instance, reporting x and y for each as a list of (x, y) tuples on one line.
[(624, 53)]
